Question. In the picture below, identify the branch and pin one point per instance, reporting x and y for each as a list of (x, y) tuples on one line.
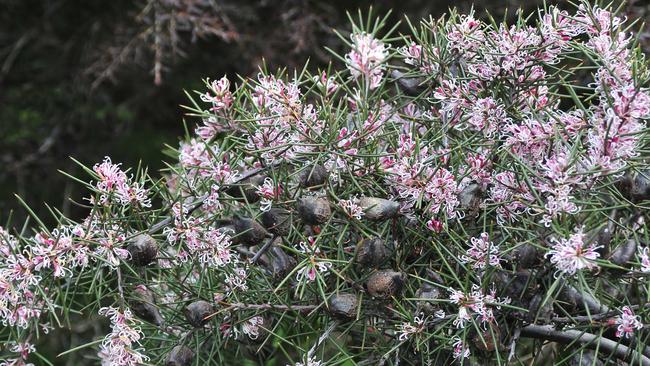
[(588, 340)]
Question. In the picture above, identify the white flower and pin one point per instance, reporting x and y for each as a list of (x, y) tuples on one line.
[(351, 207), (627, 323), (571, 255)]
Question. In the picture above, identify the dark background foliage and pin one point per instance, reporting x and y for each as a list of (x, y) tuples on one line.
[(86, 79)]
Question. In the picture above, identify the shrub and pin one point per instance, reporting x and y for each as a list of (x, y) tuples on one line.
[(469, 192)]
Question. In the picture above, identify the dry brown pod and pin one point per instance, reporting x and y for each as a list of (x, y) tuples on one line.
[(412, 86), (143, 304), (526, 256), (343, 305), (143, 249), (313, 176), (469, 199), (539, 311), (248, 231), (378, 209), (180, 356), (372, 252), (279, 262), (489, 340), (635, 186), (585, 357), (385, 284), (277, 221), (197, 313), (314, 210)]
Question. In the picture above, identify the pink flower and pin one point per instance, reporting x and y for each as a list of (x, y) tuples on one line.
[(251, 327), (571, 255), (645, 259), (460, 348), (627, 323), (366, 58), (351, 208), (313, 265), (268, 192), (482, 252), (119, 346)]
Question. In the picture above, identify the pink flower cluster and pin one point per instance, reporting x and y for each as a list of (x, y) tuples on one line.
[(314, 262), (367, 58), (119, 347), (573, 254), (115, 186), (476, 303), (627, 322), (482, 252), (351, 208)]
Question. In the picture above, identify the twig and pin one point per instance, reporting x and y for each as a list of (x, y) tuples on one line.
[(322, 338), (588, 340)]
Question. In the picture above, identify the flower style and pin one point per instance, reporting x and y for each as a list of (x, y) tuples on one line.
[(572, 254)]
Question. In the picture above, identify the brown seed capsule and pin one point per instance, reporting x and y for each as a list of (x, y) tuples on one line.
[(623, 253), (143, 304), (384, 284), (312, 176), (526, 256), (585, 357), (538, 312), (489, 340), (372, 252), (143, 249), (197, 312), (248, 231), (278, 221), (635, 186), (246, 190), (343, 305), (425, 294), (180, 356), (470, 199), (279, 262), (413, 86), (378, 209), (313, 210)]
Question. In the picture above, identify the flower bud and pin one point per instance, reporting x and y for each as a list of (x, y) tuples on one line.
[(313, 175), (143, 304), (197, 312), (384, 284), (343, 306), (378, 209), (248, 231), (372, 252), (313, 210), (143, 249), (278, 221), (180, 356)]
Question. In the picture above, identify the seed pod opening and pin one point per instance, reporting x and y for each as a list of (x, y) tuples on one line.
[(313, 210), (197, 312), (278, 221), (248, 231), (343, 306), (143, 250), (384, 284), (372, 252), (143, 304), (180, 356), (313, 175), (378, 209)]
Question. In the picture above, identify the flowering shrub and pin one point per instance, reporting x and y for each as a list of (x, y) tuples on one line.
[(468, 192)]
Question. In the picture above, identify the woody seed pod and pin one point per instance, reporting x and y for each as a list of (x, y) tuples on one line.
[(197, 312), (180, 356), (248, 231), (526, 256), (143, 304), (410, 86), (635, 186), (384, 284), (143, 249), (279, 262), (623, 253), (585, 358), (428, 292), (488, 341), (538, 311), (372, 252), (343, 305), (277, 221), (378, 209), (312, 176), (246, 190), (470, 199), (314, 211)]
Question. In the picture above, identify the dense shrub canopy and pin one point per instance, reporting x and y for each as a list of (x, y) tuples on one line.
[(463, 193)]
